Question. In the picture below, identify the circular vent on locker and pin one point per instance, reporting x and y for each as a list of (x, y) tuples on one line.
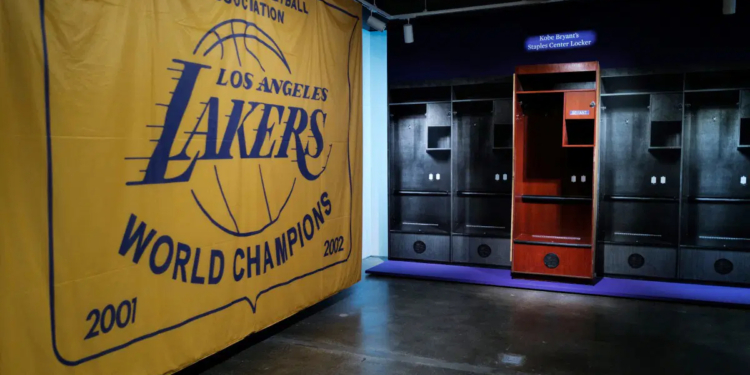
[(636, 260), (723, 266), (551, 260), (484, 250), (419, 247)]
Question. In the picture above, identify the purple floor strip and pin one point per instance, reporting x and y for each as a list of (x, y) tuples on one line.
[(627, 288)]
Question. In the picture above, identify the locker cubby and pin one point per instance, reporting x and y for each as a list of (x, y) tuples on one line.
[(455, 140), (549, 168), (693, 139), (542, 140), (716, 224), (485, 215), (577, 170), (716, 198), (438, 138), (414, 134), (579, 133), (665, 135), (639, 221), (483, 174), (666, 107), (554, 142), (479, 167), (502, 137), (503, 112), (412, 213), (713, 166), (666, 122), (628, 161)]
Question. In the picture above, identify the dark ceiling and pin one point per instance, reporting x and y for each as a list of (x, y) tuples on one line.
[(395, 7)]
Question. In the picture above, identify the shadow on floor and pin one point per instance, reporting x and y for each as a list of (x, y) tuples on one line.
[(401, 326), (207, 363)]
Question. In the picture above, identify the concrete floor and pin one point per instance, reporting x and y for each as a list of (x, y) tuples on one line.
[(401, 326)]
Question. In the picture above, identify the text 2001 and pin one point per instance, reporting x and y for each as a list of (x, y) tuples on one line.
[(106, 318)]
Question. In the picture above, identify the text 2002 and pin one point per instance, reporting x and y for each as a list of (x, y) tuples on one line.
[(334, 246)]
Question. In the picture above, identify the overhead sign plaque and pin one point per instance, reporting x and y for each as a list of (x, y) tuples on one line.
[(567, 40)]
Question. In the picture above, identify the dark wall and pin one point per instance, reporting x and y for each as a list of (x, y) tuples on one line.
[(631, 34)]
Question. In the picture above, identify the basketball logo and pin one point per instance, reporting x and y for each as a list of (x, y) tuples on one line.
[(233, 61)]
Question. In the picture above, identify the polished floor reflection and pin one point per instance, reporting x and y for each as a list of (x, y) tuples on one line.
[(401, 326)]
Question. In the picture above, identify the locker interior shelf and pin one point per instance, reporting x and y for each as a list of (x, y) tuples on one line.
[(642, 239), (664, 148), (717, 243), (660, 244), (469, 194), (416, 229), (722, 90), (552, 240), (625, 198), (694, 199), (554, 199), (554, 91), (421, 193), (482, 231), (643, 93), (473, 100)]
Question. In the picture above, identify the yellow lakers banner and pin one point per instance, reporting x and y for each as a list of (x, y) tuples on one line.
[(174, 175)]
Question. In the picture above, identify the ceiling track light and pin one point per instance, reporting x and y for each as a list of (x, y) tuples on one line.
[(408, 33), (730, 6), (375, 23)]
